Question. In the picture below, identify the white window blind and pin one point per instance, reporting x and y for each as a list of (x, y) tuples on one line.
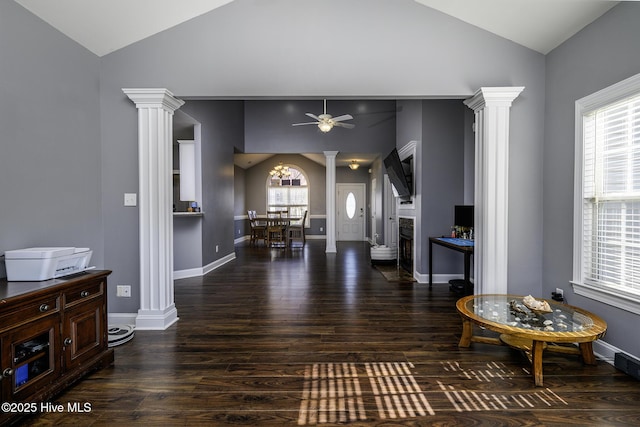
[(611, 196)]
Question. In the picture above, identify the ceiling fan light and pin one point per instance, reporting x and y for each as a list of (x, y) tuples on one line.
[(325, 126), (354, 165)]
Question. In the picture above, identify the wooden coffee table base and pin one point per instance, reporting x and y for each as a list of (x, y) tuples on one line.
[(533, 348)]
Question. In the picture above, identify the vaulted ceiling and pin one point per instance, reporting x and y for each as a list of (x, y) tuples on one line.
[(103, 26)]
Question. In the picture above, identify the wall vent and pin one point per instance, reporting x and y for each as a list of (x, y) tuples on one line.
[(627, 364)]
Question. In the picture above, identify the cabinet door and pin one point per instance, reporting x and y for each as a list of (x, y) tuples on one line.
[(29, 361), (84, 332)]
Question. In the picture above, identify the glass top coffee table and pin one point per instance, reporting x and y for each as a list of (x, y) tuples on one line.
[(529, 330)]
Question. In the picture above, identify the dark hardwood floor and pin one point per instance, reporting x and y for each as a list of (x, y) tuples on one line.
[(300, 337)]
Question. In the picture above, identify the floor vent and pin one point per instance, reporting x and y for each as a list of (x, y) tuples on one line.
[(628, 365)]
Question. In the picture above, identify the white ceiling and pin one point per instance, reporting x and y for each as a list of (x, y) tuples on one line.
[(103, 26)]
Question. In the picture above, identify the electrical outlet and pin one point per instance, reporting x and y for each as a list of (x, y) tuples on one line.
[(130, 199), (558, 295), (217, 248), (321, 229), (123, 291)]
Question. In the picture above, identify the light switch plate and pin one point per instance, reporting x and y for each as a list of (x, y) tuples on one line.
[(130, 199)]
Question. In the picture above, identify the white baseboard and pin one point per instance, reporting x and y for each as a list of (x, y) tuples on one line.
[(156, 320), (201, 271), (315, 236), (242, 239), (308, 237), (122, 318), (606, 351), (218, 263), (437, 278)]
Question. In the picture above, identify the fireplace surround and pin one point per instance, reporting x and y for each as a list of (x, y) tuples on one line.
[(405, 242)]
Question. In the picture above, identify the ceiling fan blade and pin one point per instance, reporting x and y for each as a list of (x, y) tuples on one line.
[(344, 125), (343, 117), (302, 124), (313, 116)]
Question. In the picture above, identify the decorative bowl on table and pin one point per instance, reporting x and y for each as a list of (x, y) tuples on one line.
[(536, 306)]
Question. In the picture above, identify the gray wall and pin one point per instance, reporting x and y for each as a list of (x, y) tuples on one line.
[(443, 180), (377, 171), (241, 227), (604, 53), (216, 55), (222, 130), (268, 127), (187, 241), (256, 187), (254, 180), (50, 150)]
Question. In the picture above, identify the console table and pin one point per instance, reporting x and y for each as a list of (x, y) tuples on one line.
[(460, 245)]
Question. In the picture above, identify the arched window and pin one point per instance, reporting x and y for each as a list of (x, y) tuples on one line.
[(290, 193)]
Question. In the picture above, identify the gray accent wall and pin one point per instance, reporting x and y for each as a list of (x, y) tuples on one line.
[(268, 126), (443, 179), (256, 187), (222, 126), (50, 151), (604, 53)]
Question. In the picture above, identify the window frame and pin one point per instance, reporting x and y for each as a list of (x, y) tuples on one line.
[(307, 223), (615, 296)]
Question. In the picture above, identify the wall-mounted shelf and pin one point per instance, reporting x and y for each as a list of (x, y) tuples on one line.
[(188, 214)]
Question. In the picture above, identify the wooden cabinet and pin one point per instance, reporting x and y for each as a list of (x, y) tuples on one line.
[(51, 334)]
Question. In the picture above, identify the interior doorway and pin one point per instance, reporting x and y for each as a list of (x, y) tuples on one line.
[(390, 215), (350, 212)]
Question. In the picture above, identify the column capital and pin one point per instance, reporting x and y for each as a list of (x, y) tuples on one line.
[(153, 98), (330, 154), (493, 96)]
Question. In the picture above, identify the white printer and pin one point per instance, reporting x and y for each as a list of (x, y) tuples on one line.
[(36, 264)]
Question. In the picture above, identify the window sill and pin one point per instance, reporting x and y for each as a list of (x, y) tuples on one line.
[(619, 298)]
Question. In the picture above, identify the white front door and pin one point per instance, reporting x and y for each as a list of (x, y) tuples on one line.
[(350, 214)]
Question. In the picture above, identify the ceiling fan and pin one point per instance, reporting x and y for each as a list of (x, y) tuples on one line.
[(326, 122)]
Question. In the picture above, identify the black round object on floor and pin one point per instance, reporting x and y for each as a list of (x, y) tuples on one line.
[(120, 334)]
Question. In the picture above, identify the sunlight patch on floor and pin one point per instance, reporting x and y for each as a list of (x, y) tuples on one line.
[(332, 393), (464, 400)]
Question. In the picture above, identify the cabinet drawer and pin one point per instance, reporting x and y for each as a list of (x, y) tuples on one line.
[(29, 312), (86, 292)]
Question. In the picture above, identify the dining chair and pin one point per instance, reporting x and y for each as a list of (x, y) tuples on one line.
[(258, 230), (295, 232), (276, 228)]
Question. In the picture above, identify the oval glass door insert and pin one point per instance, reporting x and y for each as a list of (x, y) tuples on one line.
[(351, 205)]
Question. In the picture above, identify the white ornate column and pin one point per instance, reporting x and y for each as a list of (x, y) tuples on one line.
[(155, 134), (492, 106), (331, 200)]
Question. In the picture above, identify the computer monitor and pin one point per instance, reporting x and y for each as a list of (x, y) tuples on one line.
[(463, 216)]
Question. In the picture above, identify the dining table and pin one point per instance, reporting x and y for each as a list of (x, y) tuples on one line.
[(277, 222)]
